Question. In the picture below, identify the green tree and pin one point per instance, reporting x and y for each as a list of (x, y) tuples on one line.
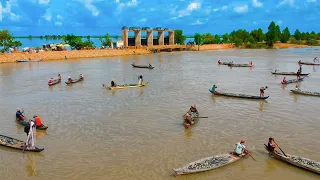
[(208, 38), (5, 38), (106, 41), (297, 35), (226, 38), (179, 38), (198, 40), (257, 34), (30, 37), (217, 39), (277, 33), (271, 35), (285, 35)]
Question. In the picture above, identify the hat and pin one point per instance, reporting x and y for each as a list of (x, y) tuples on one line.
[(18, 109), (193, 105), (242, 141), (34, 116), (69, 77)]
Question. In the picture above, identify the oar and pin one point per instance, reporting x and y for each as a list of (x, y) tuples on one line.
[(279, 148), (250, 154), (201, 117), (25, 147)]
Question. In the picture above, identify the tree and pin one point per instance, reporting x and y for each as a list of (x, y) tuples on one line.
[(297, 34), (179, 38), (5, 38), (285, 35), (116, 37), (257, 35), (208, 38), (226, 38), (271, 35), (217, 39), (106, 41), (198, 40), (277, 33)]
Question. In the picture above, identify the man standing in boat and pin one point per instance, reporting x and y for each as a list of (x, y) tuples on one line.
[(262, 89), (140, 80), (113, 84), (31, 141), (50, 81)]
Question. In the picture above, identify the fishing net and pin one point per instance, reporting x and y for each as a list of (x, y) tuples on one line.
[(210, 163), (306, 162)]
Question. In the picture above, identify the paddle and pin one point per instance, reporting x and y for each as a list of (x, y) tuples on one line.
[(250, 154), (201, 117), (279, 148)]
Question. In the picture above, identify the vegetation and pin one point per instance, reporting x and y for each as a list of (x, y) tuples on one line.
[(7, 41), (106, 41), (179, 38), (76, 42)]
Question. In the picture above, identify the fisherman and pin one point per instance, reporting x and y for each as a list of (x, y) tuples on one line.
[(31, 141), (297, 87), (298, 74), (251, 64), (140, 80), (299, 61), (262, 89), (284, 81), (270, 145), (69, 79), (276, 70), (50, 81), (37, 121), (188, 120), (300, 68), (113, 84), (81, 76), (150, 66), (19, 115), (193, 110), (240, 148), (59, 77), (213, 88), (219, 62)]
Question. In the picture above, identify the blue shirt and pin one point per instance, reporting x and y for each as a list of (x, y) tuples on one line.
[(213, 89), (239, 148), (18, 114)]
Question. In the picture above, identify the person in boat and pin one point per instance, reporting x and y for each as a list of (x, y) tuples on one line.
[(250, 63), (240, 148), (50, 81), (284, 81), (150, 66), (140, 80), (188, 120), (298, 74), (262, 89), (31, 139), (193, 110), (219, 62), (299, 61), (81, 76), (297, 87), (19, 115), (300, 68), (213, 88), (276, 70), (37, 121), (69, 79), (59, 77), (113, 84), (270, 145)]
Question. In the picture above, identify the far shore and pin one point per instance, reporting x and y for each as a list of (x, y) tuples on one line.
[(95, 53)]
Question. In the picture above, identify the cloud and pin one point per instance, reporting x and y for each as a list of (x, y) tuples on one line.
[(59, 17), (58, 23), (6, 11), (223, 8), (45, 2), (191, 7), (48, 15), (89, 5), (197, 22), (123, 5), (241, 9), (143, 20), (256, 3), (289, 2), (311, 1), (279, 22)]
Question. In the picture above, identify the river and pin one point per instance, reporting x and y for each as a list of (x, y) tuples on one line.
[(137, 133)]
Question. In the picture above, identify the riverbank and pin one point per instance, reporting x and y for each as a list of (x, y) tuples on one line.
[(94, 53)]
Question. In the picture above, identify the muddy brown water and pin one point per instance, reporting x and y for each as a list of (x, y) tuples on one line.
[(137, 133)]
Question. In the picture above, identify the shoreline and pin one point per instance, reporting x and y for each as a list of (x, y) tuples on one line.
[(95, 53)]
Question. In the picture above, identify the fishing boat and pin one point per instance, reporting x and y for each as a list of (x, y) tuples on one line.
[(16, 144), (239, 65), (292, 81), (301, 162), (309, 63), (194, 117), (124, 86), (208, 163), (224, 63), (54, 82), (238, 95), (142, 66), (305, 92), (24, 123), (24, 60), (289, 73), (75, 81)]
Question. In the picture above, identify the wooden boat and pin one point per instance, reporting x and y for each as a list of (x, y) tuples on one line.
[(24, 123), (224, 63), (54, 82), (16, 144), (24, 60), (208, 163), (309, 63), (75, 81), (142, 66), (293, 81), (239, 65), (238, 95), (123, 86), (305, 92), (289, 73), (301, 162), (194, 116)]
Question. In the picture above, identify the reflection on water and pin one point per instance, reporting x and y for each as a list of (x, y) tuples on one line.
[(31, 167), (40, 133), (261, 103), (270, 162)]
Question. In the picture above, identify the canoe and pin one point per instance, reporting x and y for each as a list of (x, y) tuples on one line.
[(123, 86), (75, 81), (195, 116), (24, 60), (56, 81), (225, 63), (16, 144), (142, 66), (24, 123), (289, 73), (238, 95), (309, 63), (293, 81), (208, 163), (240, 65), (305, 92), (301, 162)]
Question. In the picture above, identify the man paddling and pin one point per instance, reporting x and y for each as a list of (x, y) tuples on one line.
[(271, 146), (59, 77), (298, 74), (240, 148), (113, 84), (50, 81), (37, 121), (69, 79), (140, 80), (213, 88), (262, 89), (284, 81)]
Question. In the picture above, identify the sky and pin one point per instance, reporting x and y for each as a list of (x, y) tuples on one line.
[(97, 17)]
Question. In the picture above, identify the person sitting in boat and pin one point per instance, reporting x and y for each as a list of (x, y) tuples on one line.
[(140, 80), (213, 88), (299, 61), (276, 70), (81, 76), (300, 68), (37, 121), (297, 87), (284, 81), (219, 62), (193, 111), (59, 77), (69, 79), (188, 119), (270, 145), (250, 63), (240, 148), (113, 84), (50, 81), (262, 89), (298, 74), (19, 115), (150, 66)]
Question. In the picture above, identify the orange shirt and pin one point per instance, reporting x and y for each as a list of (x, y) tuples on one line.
[(38, 121)]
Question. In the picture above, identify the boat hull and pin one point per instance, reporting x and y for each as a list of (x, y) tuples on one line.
[(306, 93), (75, 81), (301, 162), (240, 65), (289, 73), (309, 63), (141, 66), (224, 63), (16, 144), (54, 82), (293, 81), (24, 123), (239, 95), (124, 86)]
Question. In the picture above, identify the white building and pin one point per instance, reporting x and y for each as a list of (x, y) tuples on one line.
[(117, 44)]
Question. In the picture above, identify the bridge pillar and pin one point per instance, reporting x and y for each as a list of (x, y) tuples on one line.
[(171, 37), (161, 38), (150, 38), (137, 37), (125, 37)]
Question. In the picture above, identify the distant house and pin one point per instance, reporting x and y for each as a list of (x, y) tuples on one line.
[(117, 44)]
